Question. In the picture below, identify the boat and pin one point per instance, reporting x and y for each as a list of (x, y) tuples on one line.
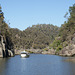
[(24, 54)]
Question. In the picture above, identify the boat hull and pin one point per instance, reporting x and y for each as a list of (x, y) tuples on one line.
[(24, 55)]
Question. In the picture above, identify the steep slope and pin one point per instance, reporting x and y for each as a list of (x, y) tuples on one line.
[(65, 42), (37, 36), (5, 37)]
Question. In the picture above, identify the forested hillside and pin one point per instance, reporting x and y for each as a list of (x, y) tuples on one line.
[(4, 31), (66, 38), (37, 36), (41, 36)]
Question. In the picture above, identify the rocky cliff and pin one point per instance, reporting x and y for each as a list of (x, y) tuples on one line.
[(4, 51)]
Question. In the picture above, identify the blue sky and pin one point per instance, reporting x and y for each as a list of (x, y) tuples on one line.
[(24, 13)]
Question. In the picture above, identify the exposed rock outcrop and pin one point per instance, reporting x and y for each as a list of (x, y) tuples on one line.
[(4, 52), (37, 51), (68, 50), (1, 51), (50, 51)]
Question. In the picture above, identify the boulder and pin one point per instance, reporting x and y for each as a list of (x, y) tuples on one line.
[(10, 53), (68, 50)]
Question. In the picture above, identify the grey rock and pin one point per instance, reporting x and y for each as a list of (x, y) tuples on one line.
[(10, 53), (3, 51), (68, 50)]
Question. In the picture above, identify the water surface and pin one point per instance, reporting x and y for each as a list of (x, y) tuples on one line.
[(36, 64)]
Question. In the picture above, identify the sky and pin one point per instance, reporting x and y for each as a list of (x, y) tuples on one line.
[(25, 13)]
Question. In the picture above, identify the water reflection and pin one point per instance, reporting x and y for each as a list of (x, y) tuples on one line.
[(3, 65), (36, 64), (24, 64)]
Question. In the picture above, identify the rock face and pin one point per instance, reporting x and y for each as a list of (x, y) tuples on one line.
[(50, 51), (1, 47), (10, 53), (36, 51), (68, 50), (3, 51)]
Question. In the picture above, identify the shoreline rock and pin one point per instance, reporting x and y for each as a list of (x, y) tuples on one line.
[(68, 51), (4, 51)]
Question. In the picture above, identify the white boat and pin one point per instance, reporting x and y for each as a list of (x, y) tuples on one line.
[(24, 54)]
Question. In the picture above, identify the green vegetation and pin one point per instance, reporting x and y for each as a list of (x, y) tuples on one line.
[(4, 31), (36, 37), (40, 36), (66, 32), (57, 44), (45, 49)]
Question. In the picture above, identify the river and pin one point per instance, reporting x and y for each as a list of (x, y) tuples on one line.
[(36, 64)]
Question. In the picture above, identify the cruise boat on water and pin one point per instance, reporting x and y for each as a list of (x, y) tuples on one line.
[(24, 54)]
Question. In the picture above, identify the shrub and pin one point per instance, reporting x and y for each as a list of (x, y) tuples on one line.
[(55, 43), (45, 49), (38, 46), (59, 48)]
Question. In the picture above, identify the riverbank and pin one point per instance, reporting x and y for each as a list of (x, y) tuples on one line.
[(36, 51), (68, 51)]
